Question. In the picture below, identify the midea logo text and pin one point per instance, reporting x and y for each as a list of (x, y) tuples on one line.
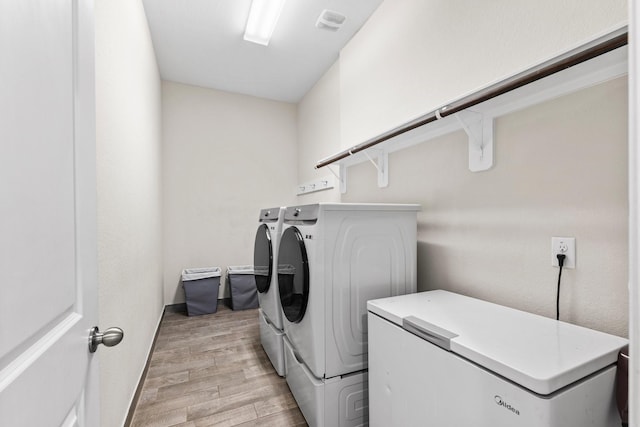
[(505, 405)]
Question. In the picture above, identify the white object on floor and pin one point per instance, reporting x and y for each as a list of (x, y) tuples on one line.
[(332, 259), (438, 358)]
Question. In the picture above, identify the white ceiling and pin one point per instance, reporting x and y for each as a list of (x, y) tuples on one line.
[(200, 42)]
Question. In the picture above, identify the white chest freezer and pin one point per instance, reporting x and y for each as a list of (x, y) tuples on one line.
[(439, 359)]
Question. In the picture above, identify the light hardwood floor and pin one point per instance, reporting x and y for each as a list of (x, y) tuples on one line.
[(212, 371)]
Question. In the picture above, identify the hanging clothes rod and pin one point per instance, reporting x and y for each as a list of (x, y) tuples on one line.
[(589, 51)]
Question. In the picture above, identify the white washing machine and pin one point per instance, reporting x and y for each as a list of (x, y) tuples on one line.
[(332, 259), (265, 255)]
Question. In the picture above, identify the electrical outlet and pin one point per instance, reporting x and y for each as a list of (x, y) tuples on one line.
[(566, 246)]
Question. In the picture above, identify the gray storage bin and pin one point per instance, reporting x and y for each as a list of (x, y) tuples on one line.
[(201, 287), (242, 287)]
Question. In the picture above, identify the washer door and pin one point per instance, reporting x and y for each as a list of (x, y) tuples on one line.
[(293, 275), (263, 258)]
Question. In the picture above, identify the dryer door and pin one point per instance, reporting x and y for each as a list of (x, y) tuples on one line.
[(263, 258), (293, 274)]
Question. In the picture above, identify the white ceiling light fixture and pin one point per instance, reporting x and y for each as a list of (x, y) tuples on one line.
[(262, 20)]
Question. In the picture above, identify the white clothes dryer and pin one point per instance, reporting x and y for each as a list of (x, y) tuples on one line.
[(265, 255), (332, 259)]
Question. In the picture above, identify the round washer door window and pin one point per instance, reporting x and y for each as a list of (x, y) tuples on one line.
[(263, 258), (293, 275)]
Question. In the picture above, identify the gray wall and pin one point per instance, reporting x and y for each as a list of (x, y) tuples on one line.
[(129, 197), (319, 134), (560, 170), (560, 167), (414, 56), (226, 156)]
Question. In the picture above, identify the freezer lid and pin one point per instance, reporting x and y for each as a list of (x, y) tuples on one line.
[(539, 353)]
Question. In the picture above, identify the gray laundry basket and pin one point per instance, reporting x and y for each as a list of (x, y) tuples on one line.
[(201, 290), (242, 286)]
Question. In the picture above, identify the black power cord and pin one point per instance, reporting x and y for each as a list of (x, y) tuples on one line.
[(561, 258)]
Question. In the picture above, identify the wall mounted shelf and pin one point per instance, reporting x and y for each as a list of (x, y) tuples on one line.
[(600, 60)]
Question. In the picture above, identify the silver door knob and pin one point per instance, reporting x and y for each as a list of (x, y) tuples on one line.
[(110, 337)]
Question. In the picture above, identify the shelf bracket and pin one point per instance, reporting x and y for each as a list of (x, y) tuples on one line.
[(341, 176), (382, 166), (479, 129)]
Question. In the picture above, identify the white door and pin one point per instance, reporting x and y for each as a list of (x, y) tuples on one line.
[(48, 275)]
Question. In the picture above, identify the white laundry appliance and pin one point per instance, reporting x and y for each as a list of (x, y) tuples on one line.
[(441, 359), (332, 259), (265, 255)]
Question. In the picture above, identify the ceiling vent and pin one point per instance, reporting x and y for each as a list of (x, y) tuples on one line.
[(330, 20)]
